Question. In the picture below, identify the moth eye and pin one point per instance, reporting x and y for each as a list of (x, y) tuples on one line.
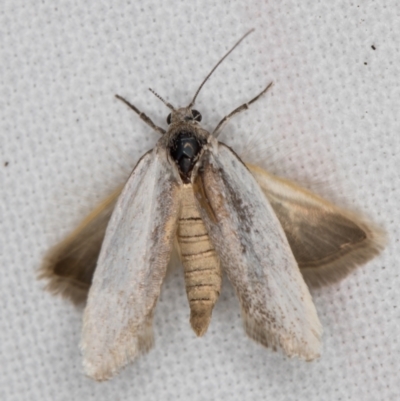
[(196, 115), (169, 119)]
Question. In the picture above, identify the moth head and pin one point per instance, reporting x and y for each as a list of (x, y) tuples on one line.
[(184, 114)]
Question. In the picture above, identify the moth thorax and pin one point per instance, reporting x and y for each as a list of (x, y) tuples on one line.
[(185, 149), (201, 264)]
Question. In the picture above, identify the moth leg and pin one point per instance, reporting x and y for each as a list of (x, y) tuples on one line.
[(244, 106), (143, 116)]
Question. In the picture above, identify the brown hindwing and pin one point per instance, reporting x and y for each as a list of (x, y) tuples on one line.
[(327, 242), (69, 266)]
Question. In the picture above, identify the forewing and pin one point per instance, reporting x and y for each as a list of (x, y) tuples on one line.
[(276, 304), (117, 324), (327, 242), (69, 266)]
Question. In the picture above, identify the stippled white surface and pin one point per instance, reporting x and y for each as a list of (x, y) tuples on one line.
[(330, 122)]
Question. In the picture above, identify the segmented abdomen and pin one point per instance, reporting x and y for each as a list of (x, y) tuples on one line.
[(200, 262)]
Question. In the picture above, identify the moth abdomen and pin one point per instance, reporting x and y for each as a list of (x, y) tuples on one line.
[(200, 261)]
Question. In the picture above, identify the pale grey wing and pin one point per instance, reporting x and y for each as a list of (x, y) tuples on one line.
[(276, 305), (117, 324), (327, 242), (70, 265)]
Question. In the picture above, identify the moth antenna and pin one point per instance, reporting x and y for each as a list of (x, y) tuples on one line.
[(169, 105), (244, 106), (143, 116), (219, 62)]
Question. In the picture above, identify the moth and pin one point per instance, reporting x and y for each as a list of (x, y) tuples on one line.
[(194, 193)]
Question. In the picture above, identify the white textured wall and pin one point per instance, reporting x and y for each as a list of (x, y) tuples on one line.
[(330, 122)]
